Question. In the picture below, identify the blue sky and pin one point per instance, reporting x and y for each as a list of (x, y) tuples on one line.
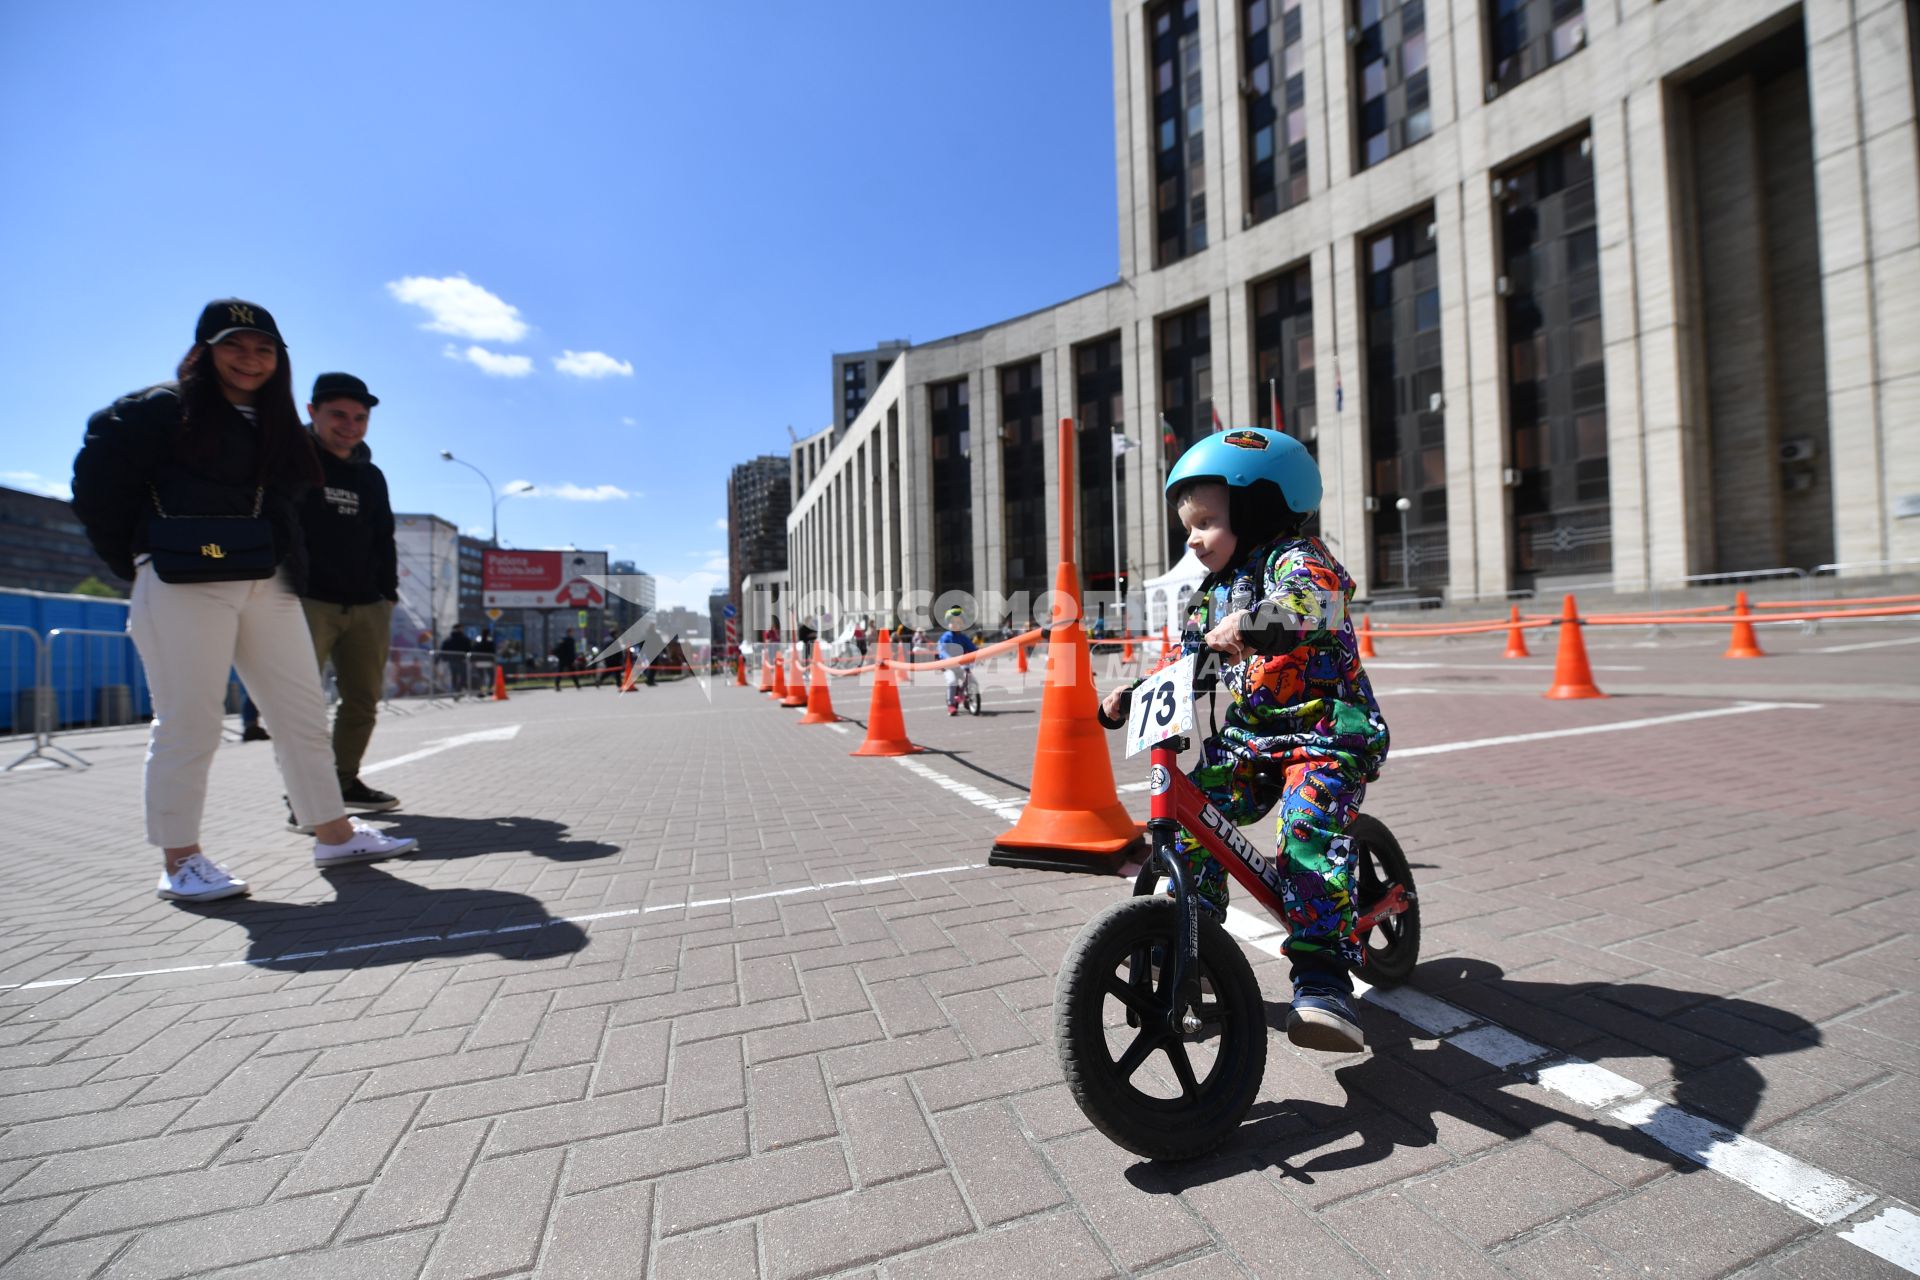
[(699, 202)]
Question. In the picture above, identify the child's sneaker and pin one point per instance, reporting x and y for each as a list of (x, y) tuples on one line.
[(1322, 1016), (368, 844), (199, 879)]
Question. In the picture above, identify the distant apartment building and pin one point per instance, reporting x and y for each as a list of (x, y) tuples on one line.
[(44, 548), (759, 495), (855, 375)]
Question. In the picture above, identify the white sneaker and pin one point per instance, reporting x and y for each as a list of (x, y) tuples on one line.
[(199, 879), (369, 844)]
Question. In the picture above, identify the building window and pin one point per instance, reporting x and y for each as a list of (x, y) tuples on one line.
[(1274, 57), (1023, 468), (1406, 419), (1186, 395), (950, 443), (1525, 37), (1099, 399), (1179, 131), (855, 394), (1283, 374), (1390, 77), (1556, 381)]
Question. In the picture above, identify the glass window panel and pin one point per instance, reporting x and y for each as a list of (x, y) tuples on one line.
[(1263, 143), (1297, 126), (1413, 53), (1263, 78), (1373, 79), (1590, 431), (1303, 353), (1292, 60), (1163, 76), (1257, 15), (1376, 148), (1168, 135)]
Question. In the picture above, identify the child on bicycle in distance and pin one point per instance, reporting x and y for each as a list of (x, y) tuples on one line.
[(953, 642), (1302, 728)]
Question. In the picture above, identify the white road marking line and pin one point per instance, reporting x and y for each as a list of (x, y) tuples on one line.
[(1811, 1192), (505, 733), (1008, 809), (1871, 644), (1402, 753), (1375, 664), (352, 948), (1774, 1174), (1894, 1235), (838, 728)]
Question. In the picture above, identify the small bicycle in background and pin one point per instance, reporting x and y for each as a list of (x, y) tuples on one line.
[(1159, 977), (969, 694)]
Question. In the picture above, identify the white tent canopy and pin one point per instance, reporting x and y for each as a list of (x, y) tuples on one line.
[(1168, 593)]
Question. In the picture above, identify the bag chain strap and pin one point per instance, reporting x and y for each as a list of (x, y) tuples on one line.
[(259, 495)]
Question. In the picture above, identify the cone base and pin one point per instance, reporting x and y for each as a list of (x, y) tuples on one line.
[(816, 718), (1748, 651), (1573, 691), (791, 701), (885, 749), (1081, 861)]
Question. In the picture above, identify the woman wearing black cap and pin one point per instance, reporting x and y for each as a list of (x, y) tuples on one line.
[(191, 489)]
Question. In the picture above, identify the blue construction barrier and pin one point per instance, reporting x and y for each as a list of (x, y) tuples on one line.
[(78, 666)]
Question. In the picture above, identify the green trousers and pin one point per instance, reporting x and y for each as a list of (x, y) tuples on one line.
[(356, 638)]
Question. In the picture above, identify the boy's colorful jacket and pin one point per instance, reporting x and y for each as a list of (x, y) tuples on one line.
[(1308, 700)]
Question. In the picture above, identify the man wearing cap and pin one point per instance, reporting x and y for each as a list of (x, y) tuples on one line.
[(353, 578)]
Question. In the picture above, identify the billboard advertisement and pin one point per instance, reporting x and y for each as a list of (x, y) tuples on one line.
[(543, 579)]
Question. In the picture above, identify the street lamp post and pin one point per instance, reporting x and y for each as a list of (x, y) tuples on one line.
[(1122, 444), (446, 455), (1403, 506)]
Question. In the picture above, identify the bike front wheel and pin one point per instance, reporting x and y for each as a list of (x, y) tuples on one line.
[(1159, 1092)]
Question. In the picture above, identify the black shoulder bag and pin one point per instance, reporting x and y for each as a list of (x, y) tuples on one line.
[(210, 548)]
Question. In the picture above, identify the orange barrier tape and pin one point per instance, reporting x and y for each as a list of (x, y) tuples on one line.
[(989, 651), (1809, 604), (1811, 616)]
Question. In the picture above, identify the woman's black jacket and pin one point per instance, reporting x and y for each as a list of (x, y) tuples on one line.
[(133, 443)]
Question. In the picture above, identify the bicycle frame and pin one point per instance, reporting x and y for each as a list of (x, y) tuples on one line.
[(1175, 802)]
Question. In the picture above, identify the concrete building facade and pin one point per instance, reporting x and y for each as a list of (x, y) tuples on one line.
[(1613, 294)]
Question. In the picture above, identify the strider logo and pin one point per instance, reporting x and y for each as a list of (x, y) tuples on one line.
[(237, 314), (1230, 835), (213, 552)]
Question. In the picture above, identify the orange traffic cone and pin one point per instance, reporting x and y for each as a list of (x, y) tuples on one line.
[(1366, 637), (499, 683), (886, 727), (1516, 638), (739, 671), (819, 700), (1126, 649), (626, 673), (796, 687), (779, 689), (1745, 644), (1572, 677), (1020, 658), (1166, 644), (766, 672)]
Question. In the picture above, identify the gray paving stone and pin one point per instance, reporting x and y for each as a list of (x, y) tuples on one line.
[(505, 1095), (500, 1218), (893, 1057), (443, 1071), (888, 1135), (788, 1104), (651, 1153), (1507, 1193), (122, 1162), (831, 1235), (205, 1244), (1692, 1225), (1058, 1247), (1392, 1234), (572, 1122), (354, 1146), (1004, 1177), (724, 1192), (731, 1253), (1138, 1219), (167, 1197), (602, 1235), (567, 1037), (396, 1257), (704, 1078), (420, 1181), (814, 1037)]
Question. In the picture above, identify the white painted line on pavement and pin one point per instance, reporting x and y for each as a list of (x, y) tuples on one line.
[(531, 926), (1871, 644), (1008, 809), (1402, 753), (1813, 1193), (1894, 1235), (504, 733), (1754, 1165), (1374, 664)]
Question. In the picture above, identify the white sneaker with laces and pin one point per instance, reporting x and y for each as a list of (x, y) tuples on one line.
[(199, 879), (369, 844)]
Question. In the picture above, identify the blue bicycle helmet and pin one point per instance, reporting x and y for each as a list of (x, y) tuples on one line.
[(1244, 457)]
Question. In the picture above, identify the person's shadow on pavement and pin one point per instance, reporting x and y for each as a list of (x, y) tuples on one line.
[(1397, 1096), (442, 838), (377, 918)]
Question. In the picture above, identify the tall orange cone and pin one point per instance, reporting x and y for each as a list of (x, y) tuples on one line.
[(819, 700), (739, 670), (1572, 677), (1020, 658), (766, 672), (1516, 637), (1166, 644), (1073, 820), (1126, 649), (626, 673), (886, 727), (796, 687), (499, 683), (779, 689), (1366, 637), (1745, 644)]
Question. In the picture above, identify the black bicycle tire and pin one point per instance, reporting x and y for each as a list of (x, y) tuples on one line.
[(1394, 963), (1163, 1131)]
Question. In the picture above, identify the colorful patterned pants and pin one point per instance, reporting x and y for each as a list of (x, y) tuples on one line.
[(1317, 801)]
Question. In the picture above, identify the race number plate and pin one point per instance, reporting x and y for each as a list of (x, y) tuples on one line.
[(1162, 707)]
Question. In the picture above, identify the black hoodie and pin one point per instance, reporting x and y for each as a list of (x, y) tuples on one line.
[(348, 523)]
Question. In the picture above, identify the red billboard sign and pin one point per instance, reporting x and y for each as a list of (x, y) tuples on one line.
[(542, 579)]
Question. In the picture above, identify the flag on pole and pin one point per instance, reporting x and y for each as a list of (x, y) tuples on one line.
[(1122, 444), (1339, 392), (1273, 391), (1214, 409)]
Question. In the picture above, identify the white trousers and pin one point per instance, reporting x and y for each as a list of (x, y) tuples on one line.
[(188, 635)]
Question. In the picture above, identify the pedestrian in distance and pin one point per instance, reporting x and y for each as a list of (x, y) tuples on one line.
[(193, 489), (454, 653), (564, 658), (1302, 729), (353, 581)]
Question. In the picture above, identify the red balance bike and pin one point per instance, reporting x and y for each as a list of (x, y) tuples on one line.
[(1160, 1023)]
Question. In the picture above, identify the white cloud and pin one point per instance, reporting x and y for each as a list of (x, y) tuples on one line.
[(491, 363), (631, 422), (460, 307), (592, 364), (33, 482), (721, 524), (576, 493), (718, 564)]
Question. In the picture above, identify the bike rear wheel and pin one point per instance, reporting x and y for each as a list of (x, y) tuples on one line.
[(1159, 1093), (1393, 945)]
